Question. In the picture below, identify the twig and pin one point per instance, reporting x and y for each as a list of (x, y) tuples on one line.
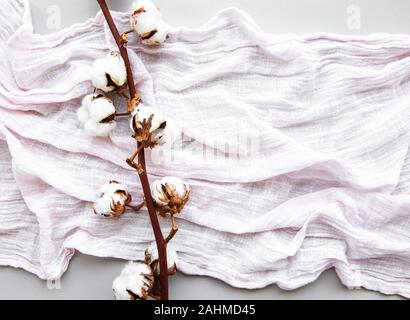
[(159, 238)]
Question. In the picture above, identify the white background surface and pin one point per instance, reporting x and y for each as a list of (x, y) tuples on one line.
[(91, 278)]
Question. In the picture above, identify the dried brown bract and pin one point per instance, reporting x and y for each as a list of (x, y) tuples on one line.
[(170, 194), (113, 200)]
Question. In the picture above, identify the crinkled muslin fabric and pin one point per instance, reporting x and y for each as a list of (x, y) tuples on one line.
[(295, 148)]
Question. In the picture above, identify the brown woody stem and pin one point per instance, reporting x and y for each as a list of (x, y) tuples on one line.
[(159, 238)]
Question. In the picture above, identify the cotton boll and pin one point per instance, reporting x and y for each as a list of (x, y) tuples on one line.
[(116, 68), (172, 257), (158, 37), (101, 109), (87, 100), (157, 193), (134, 283), (172, 133), (120, 288), (109, 73), (159, 136), (119, 198), (147, 22), (99, 76), (100, 114), (96, 129), (108, 187), (148, 133), (117, 192), (148, 6), (83, 115), (112, 187), (103, 205)]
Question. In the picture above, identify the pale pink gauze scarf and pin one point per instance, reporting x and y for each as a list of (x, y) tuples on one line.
[(295, 147)]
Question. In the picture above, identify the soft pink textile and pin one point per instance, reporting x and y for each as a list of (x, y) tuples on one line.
[(295, 147)]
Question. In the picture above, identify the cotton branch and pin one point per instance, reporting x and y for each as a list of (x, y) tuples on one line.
[(159, 238)]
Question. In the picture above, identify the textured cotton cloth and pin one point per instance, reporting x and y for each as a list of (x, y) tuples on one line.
[(295, 148)]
